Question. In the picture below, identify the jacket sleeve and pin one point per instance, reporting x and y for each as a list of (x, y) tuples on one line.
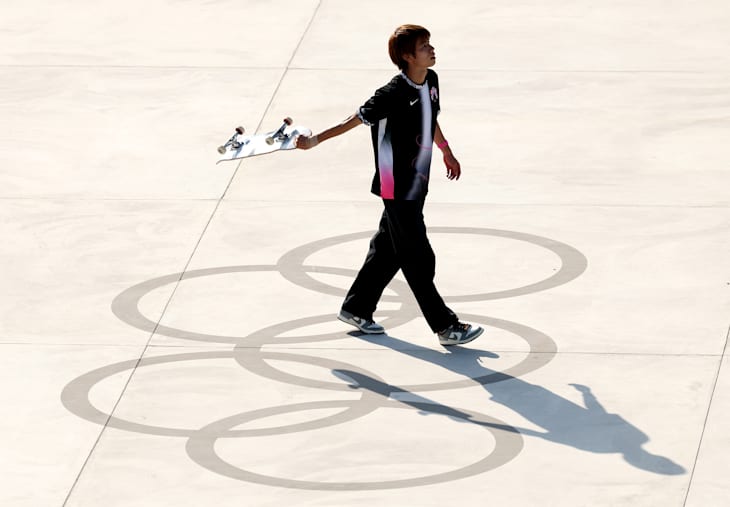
[(378, 106)]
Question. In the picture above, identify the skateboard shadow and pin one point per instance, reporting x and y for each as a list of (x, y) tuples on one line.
[(589, 427)]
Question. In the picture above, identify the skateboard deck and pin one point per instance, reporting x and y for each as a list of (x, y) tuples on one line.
[(243, 146)]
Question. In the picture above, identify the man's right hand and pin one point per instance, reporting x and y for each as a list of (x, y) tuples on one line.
[(306, 142)]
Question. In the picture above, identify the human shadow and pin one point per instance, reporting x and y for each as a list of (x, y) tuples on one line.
[(590, 427)]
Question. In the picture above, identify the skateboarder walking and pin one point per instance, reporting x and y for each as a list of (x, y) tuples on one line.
[(402, 116)]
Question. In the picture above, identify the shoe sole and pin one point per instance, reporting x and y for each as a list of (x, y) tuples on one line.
[(353, 323), (470, 339)]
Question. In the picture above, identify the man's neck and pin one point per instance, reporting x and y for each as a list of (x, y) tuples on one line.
[(418, 75)]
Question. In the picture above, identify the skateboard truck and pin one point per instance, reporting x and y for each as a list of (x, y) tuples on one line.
[(279, 134), (233, 141)]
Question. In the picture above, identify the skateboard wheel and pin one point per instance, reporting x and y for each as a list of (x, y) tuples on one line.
[(221, 149), (288, 120), (240, 130), (269, 140)]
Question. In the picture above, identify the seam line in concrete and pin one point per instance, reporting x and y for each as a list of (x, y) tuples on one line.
[(707, 417), (177, 284)]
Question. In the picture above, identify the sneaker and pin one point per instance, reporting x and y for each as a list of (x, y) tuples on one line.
[(367, 326), (459, 333)]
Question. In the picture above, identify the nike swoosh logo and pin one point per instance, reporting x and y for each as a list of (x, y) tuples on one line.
[(414, 101)]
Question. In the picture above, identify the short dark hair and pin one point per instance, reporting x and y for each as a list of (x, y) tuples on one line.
[(403, 42)]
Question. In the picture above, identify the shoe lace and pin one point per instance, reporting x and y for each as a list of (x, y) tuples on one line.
[(459, 327)]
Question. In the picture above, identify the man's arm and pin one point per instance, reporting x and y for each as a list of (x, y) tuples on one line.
[(305, 143), (453, 168)]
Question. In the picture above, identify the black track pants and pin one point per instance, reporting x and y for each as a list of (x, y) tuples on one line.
[(400, 243)]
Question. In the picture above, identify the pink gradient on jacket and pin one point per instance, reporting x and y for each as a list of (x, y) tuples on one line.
[(387, 182)]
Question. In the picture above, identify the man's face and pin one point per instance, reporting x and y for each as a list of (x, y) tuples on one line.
[(425, 55)]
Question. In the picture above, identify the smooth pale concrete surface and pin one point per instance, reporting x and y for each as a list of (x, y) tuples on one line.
[(167, 327), (120, 133), (534, 35), (157, 33), (65, 260), (43, 444)]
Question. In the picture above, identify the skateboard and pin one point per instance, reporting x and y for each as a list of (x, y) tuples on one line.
[(242, 146)]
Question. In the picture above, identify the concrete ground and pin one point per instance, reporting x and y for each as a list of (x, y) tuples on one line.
[(167, 330)]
